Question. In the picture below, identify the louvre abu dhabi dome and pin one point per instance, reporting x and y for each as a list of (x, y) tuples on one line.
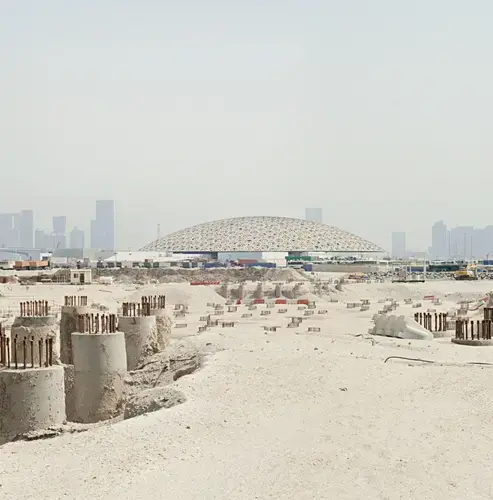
[(261, 234)]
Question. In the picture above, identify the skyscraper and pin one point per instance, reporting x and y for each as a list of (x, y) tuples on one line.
[(39, 239), (313, 214), (461, 241), (59, 232), (103, 227), (398, 244), (60, 224), (76, 238), (439, 240), (25, 226), (6, 225)]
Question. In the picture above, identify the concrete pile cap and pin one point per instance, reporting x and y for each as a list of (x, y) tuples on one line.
[(33, 399), (100, 365)]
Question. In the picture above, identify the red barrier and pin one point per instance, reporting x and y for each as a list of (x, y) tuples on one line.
[(281, 301), (205, 282), (259, 301), (302, 301), (429, 297)]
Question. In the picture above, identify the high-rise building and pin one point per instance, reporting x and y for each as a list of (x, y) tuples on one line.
[(439, 241), (313, 214), (103, 227), (44, 240), (6, 225), (59, 234), (76, 238), (488, 238), (95, 238), (39, 239), (398, 244), (60, 224), (461, 242), (25, 225), (478, 244), (13, 238)]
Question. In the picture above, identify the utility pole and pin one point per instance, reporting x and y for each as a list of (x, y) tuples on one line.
[(158, 231)]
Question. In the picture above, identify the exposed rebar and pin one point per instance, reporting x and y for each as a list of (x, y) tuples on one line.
[(34, 308), (154, 301), (96, 323), (76, 300)]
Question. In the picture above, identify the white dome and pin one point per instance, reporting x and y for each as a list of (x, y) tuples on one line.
[(261, 234)]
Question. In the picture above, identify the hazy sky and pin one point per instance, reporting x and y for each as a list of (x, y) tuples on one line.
[(379, 111)]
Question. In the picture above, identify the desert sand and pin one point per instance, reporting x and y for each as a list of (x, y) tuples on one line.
[(289, 414)]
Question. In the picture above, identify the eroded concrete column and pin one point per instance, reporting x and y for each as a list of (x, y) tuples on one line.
[(68, 325), (100, 365), (34, 328), (141, 338), (164, 323), (31, 399)]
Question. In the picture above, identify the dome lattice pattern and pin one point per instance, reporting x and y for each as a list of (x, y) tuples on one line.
[(261, 234)]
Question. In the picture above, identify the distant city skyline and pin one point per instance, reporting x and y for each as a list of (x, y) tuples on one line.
[(18, 230), (459, 242)]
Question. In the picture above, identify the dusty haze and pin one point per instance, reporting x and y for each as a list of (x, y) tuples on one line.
[(191, 111)]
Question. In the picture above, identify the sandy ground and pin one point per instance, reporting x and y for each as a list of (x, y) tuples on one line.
[(285, 415)]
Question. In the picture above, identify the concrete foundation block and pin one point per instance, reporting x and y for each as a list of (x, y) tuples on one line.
[(39, 327), (31, 399), (163, 325), (69, 375), (141, 338), (100, 365), (68, 325)]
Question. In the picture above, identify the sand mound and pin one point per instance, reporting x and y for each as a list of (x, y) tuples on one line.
[(284, 274), (152, 400), (180, 293)]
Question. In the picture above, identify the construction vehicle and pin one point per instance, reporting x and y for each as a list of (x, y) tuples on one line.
[(468, 273)]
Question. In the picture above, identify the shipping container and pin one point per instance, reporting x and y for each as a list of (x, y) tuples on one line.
[(245, 262), (205, 282), (268, 265), (212, 265)]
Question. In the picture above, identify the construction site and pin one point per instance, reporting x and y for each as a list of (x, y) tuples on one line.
[(235, 365)]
